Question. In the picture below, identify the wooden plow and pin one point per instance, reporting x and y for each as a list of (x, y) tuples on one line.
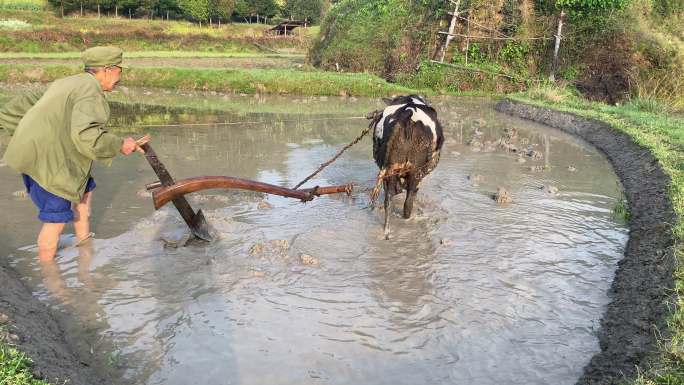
[(166, 190)]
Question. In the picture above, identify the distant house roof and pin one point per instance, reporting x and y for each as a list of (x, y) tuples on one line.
[(286, 27)]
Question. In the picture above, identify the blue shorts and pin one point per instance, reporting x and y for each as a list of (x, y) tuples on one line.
[(53, 209)]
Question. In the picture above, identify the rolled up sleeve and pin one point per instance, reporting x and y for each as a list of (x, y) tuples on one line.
[(88, 120)]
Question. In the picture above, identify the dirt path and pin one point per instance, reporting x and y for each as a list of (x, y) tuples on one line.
[(644, 276), (37, 333)]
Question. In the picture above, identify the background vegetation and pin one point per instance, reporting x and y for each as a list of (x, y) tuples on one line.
[(611, 50), (192, 10)]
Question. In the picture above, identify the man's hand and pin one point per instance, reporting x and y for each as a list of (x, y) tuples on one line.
[(129, 145)]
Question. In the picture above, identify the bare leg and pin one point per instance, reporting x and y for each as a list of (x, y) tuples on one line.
[(85, 257), (388, 207), (82, 218), (52, 279), (48, 238)]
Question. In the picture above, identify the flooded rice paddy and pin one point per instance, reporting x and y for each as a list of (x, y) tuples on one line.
[(467, 291)]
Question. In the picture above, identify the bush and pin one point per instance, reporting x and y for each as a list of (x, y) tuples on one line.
[(23, 5), (14, 24)]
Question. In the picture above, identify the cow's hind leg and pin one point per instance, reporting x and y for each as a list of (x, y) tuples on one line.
[(411, 191), (388, 204)]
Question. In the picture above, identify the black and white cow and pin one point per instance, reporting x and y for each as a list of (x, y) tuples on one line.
[(407, 139)]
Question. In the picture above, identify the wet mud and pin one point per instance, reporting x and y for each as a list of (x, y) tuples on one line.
[(642, 288), (26, 322)]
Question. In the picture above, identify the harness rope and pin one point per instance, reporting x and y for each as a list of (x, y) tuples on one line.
[(374, 191), (334, 158)]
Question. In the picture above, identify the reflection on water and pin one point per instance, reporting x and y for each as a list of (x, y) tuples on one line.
[(467, 291)]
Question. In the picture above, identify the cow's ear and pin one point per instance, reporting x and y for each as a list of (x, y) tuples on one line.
[(387, 101)]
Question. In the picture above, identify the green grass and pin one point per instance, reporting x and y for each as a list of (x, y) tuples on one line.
[(15, 366), (621, 209), (24, 5), (459, 78), (663, 135), (248, 81), (150, 54)]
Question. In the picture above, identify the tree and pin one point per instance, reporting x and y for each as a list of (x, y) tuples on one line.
[(265, 7), (258, 8), (307, 10), (196, 10), (222, 9), (64, 6), (580, 8)]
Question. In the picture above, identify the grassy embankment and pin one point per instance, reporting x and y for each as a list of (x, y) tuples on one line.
[(229, 80), (652, 127), (48, 37), (15, 366)]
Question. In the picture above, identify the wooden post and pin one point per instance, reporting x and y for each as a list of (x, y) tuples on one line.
[(81, 8), (116, 11), (98, 10), (554, 64), (449, 37), (467, 39), (129, 14)]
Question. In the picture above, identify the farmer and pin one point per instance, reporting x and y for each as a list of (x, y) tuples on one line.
[(57, 136)]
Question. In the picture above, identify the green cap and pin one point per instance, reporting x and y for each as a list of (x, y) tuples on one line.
[(102, 57)]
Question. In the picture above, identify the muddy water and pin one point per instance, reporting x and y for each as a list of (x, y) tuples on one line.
[(467, 291)]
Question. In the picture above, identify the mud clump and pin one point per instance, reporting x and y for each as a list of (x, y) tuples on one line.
[(307, 259), (489, 146), (258, 274), (264, 205), (280, 244), (549, 189), (502, 196), (143, 193), (21, 194), (475, 145), (276, 248), (476, 179), (175, 241), (256, 249), (536, 155)]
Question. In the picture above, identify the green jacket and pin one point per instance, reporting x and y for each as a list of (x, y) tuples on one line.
[(58, 135)]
